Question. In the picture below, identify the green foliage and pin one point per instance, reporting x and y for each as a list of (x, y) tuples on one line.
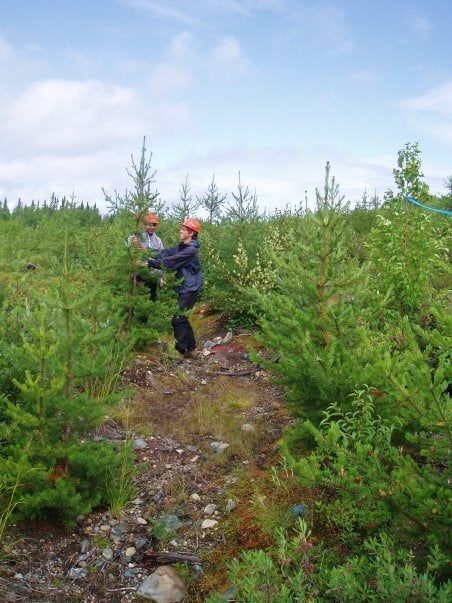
[(8, 500), (403, 250), (120, 487), (63, 352), (311, 316), (298, 570), (367, 485), (186, 206), (212, 201), (408, 175), (140, 201), (234, 265), (343, 298), (62, 487), (243, 208), (384, 573)]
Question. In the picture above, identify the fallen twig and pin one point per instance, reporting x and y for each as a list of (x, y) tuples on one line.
[(173, 557), (236, 373)]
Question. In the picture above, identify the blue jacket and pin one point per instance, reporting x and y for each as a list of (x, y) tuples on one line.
[(184, 259)]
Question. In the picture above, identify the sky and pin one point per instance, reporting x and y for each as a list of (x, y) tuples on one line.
[(265, 91)]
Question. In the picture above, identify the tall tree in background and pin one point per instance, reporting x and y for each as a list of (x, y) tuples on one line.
[(212, 201), (142, 199), (243, 208), (186, 206)]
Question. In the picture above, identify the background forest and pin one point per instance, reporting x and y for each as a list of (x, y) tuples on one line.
[(352, 305)]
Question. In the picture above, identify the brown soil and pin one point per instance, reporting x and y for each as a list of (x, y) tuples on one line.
[(180, 411)]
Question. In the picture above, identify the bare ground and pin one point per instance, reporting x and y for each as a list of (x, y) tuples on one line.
[(185, 414)]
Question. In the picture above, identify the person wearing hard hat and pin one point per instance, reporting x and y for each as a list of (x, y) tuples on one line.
[(184, 259), (149, 240)]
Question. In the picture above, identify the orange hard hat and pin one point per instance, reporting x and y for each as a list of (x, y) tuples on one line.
[(192, 224), (151, 218)]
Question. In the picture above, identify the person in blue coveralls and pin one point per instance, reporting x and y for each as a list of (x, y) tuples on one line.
[(183, 258)]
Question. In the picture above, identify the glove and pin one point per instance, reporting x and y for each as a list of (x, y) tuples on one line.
[(154, 263)]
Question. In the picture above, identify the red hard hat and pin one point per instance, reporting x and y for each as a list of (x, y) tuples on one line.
[(192, 224), (151, 218)]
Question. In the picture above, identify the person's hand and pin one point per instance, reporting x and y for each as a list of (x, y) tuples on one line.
[(136, 243)]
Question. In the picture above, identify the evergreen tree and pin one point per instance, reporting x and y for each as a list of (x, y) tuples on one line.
[(142, 200), (59, 373), (243, 209), (186, 206), (212, 201), (311, 319), (4, 210), (129, 211)]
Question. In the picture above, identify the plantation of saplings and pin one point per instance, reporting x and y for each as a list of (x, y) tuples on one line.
[(346, 307)]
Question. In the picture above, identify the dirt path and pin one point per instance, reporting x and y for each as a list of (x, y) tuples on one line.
[(205, 437)]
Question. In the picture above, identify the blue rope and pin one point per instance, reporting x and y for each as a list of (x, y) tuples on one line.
[(440, 211)]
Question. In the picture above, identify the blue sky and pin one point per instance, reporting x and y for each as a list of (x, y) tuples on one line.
[(272, 89)]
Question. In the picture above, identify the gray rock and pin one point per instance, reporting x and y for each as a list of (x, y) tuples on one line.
[(131, 572), (163, 586), (210, 508), (139, 444), (158, 496), (208, 344), (169, 522), (140, 543), (77, 572), (227, 338), (219, 446), (84, 546), (248, 427), (141, 521), (107, 554), (230, 505), (119, 531)]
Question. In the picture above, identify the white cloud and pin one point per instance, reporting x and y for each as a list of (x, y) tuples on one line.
[(431, 112), (281, 176), (437, 100), (226, 59), (197, 11), (79, 60), (166, 9), (186, 64), (19, 66), (84, 175), (167, 79), (72, 117)]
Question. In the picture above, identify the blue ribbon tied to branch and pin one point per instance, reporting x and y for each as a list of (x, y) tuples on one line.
[(440, 211)]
